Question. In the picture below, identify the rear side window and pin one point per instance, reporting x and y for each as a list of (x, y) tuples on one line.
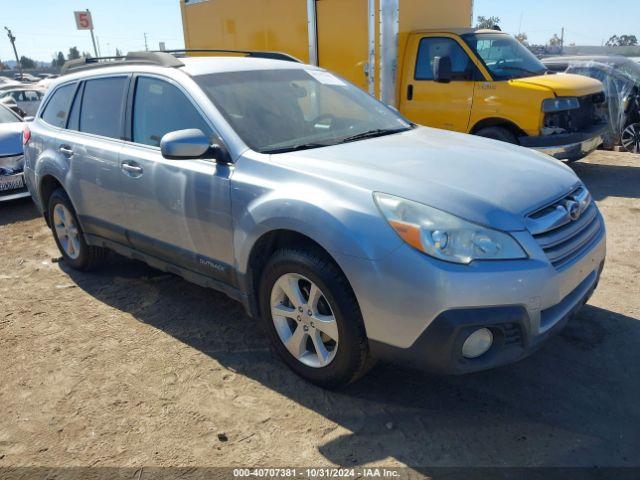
[(160, 108), (57, 108), (102, 106)]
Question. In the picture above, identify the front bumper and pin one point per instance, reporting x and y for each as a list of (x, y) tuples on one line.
[(419, 310), (567, 146), (439, 347)]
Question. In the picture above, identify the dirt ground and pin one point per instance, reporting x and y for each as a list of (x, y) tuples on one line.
[(129, 366)]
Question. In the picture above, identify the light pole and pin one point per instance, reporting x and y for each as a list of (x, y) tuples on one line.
[(12, 39)]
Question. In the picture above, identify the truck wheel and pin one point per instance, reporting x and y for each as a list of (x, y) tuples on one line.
[(498, 133), (69, 236), (312, 318)]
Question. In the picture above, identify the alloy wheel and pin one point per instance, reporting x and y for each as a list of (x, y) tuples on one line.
[(304, 320), (66, 231), (631, 138)]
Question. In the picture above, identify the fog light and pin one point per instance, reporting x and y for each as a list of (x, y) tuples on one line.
[(477, 343)]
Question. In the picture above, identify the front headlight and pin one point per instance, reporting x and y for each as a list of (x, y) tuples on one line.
[(445, 236), (560, 104)]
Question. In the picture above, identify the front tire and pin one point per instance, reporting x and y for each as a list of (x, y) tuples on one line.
[(498, 133), (312, 318), (69, 236)]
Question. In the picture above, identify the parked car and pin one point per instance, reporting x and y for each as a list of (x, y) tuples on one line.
[(12, 184), (350, 232), (8, 83), (27, 98), (621, 79), (26, 77)]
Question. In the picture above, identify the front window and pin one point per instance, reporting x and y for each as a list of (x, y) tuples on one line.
[(504, 56), (275, 111)]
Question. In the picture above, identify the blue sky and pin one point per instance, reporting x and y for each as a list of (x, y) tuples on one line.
[(45, 26)]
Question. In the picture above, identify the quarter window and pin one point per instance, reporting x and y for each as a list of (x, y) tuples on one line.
[(102, 106), (57, 109), (461, 65), (160, 108)]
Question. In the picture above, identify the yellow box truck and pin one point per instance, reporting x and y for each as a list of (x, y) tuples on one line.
[(423, 58)]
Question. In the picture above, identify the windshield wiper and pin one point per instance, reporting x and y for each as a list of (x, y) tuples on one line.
[(294, 148), (378, 132)]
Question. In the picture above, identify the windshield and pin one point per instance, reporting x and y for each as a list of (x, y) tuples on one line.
[(504, 56), (6, 116), (275, 111)]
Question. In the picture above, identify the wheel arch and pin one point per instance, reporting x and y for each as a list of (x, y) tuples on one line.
[(498, 122), (262, 250), (47, 185)]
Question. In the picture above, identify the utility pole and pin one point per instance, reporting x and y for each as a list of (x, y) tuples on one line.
[(146, 47), (562, 41), (12, 39)]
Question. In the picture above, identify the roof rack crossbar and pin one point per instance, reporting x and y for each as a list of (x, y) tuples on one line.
[(144, 58), (249, 53)]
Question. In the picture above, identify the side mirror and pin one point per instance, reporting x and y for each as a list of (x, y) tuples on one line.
[(189, 144), (442, 69)]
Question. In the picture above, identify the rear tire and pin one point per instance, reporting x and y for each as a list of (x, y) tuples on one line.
[(498, 133), (69, 235), (329, 360)]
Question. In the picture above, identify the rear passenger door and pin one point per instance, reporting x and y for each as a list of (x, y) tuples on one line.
[(97, 118), (177, 210)]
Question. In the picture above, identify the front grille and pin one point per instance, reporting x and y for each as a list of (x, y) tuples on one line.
[(579, 119), (561, 236)]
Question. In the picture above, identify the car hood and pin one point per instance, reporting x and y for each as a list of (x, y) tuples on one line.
[(481, 180), (563, 84), (11, 138)]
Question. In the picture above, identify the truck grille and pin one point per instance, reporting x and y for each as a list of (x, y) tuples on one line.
[(579, 119), (566, 229)]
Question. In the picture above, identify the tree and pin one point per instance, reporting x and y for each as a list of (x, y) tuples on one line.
[(58, 60), (73, 53), (488, 22), (27, 63), (118, 52), (522, 38), (622, 41)]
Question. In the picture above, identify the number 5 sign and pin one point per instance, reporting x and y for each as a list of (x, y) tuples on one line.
[(83, 20)]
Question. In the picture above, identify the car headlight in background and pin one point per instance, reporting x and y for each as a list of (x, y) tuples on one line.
[(560, 104), (445, 236)]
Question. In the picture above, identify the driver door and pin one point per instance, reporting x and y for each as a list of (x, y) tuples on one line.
[(431, 103)]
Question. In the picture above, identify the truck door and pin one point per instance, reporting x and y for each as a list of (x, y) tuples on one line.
[(431, 103), (342, 31)]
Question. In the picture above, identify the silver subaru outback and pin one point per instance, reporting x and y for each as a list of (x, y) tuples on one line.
[(349, 232)]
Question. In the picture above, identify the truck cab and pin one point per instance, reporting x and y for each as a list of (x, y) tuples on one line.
[(487, 83), (421, 57)]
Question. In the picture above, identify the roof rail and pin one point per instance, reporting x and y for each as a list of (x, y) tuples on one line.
[(249, 53), (162, 59)]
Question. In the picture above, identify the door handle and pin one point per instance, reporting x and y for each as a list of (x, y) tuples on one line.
[(132, 169), (410, 92), (66, 150)]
